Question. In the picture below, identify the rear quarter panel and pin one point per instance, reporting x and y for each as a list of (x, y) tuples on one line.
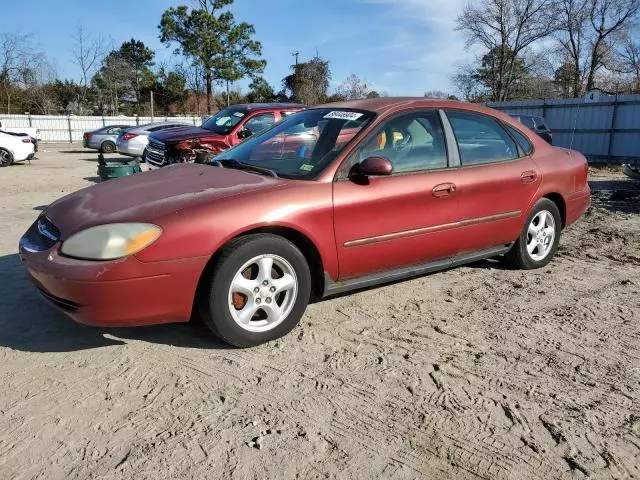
[(564, 172)]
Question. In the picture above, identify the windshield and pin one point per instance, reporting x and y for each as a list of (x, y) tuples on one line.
[(224, 121), (303, 144)]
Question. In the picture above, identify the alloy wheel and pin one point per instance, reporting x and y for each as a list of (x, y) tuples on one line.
[(263, 293), (541, 235)]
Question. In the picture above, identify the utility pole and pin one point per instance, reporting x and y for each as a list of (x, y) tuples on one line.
[(295, 54), (151, 94)]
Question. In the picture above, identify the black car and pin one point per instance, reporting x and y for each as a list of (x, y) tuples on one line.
[(537, 124)]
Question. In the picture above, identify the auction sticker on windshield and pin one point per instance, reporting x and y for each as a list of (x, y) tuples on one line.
[(342, 115)]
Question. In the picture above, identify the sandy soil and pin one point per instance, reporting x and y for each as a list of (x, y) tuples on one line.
[(478, 372)]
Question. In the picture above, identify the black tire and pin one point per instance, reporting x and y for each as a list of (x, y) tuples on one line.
[(108, 147), (214, 305), (6, 158), (519, 256)]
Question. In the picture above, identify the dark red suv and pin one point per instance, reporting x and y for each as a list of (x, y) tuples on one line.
[(224, 130)]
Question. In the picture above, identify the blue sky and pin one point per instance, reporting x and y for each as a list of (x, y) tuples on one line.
[(402, 47)]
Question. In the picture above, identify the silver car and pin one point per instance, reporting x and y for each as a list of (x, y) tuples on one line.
[(133, 141), (103, 139)]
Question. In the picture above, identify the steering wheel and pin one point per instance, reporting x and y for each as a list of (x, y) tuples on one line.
[(403, 147)]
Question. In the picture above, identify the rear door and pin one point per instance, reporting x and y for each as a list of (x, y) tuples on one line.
[(403, 219), (496, 183)]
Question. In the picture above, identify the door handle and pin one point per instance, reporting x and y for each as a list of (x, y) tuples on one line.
[(444, 190), (529, 176)]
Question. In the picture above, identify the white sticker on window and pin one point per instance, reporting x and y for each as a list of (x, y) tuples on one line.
[(306, 167), (342, 115), (239, 114)]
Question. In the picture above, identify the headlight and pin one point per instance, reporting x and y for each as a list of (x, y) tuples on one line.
[(111, 241)]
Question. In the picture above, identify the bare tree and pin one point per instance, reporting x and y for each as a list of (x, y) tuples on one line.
[(630, 60), (607, 18), (505, 28), (353, 88), (193, 73), (467, 83), (439, 94), (17, 56), (588, 35), (88, 53)]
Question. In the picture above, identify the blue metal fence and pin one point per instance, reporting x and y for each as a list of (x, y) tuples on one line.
[(605, 131)]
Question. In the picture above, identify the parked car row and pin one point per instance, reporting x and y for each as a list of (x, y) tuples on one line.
[(224, 130)]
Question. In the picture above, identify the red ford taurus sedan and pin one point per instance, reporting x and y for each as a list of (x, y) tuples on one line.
[(334, 198)]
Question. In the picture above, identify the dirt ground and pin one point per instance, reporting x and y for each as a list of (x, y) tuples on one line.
[(477, 372)]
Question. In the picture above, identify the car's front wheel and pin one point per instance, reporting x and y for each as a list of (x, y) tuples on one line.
[(539, 238), (259, 290)]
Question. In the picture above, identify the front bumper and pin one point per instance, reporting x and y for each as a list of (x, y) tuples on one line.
[(125, 292)]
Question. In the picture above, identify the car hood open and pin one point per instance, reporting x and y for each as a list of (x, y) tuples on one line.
[(145, 196), (175, 135)]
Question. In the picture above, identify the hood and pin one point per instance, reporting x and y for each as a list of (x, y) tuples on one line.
[(175, 135), (145, 196)]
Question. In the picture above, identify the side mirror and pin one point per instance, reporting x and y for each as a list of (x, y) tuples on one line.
[(244, 133), (373, 167)]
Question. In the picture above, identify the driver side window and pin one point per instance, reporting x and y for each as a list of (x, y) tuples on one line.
[(412, 143)]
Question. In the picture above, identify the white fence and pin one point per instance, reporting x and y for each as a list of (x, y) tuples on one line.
[(604, 129), (60, 128)]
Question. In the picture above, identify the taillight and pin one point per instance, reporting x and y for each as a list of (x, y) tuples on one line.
[(26, 140), (129, 136), (87, 135)]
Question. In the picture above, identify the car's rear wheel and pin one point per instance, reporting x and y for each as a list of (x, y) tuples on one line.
[(540, 236), (259, 290), (6, 158), (108, 147)]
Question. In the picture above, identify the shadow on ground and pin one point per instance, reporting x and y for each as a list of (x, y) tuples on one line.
[(620, 195), (28, 323)]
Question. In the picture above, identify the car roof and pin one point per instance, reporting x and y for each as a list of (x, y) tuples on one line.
[(391, 104), (107, 127), (265, 106)]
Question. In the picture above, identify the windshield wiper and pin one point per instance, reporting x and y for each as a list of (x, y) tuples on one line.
[(230, 163)]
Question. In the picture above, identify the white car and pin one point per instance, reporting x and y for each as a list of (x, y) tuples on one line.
[(134, 140), (15, 147), (32, 132)]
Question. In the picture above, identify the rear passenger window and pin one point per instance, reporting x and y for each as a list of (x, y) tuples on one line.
[(481, 139), (522, 140)]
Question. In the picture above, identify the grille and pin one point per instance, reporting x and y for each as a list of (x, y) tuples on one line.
[(42, 235), (155, 153)]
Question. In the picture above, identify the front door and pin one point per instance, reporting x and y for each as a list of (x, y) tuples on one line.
[(406, 218)]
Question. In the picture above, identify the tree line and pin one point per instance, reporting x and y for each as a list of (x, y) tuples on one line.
[(550, 48), (214, 50), (527, 49)]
